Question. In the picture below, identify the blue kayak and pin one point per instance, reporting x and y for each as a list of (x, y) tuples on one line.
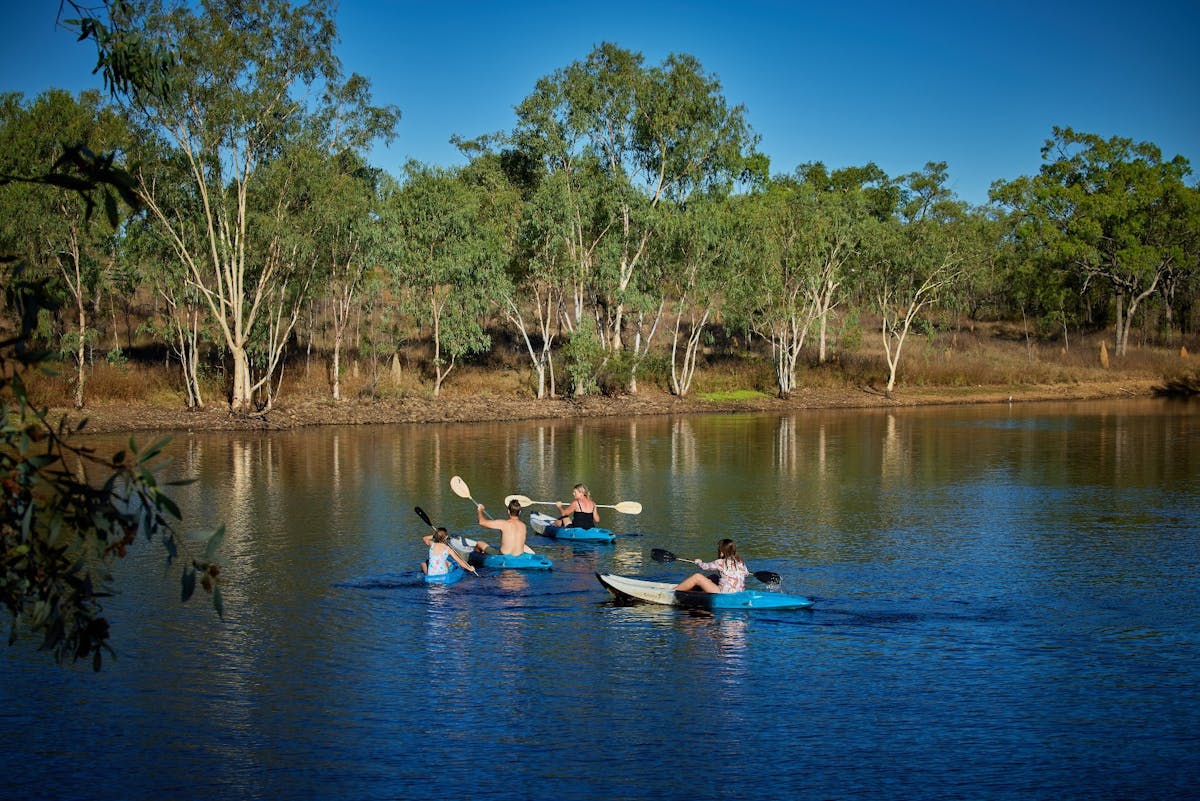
[(451, 576), (661, 592), (544, 525), (498, 561)]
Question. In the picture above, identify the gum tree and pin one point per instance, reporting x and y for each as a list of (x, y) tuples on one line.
[(1103, 209), (773, 299), (242, 93), (447, 256), (913, 259), (707, 251), (57, 230), (630, 139)]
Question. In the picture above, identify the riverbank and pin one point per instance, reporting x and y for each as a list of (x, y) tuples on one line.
[(116, 417)]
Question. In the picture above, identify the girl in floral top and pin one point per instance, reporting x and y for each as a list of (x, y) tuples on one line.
[(731, 567)]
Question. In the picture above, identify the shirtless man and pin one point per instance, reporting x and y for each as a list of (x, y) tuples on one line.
[(512, 531)]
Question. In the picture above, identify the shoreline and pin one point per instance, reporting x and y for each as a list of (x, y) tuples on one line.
[(122, 417)]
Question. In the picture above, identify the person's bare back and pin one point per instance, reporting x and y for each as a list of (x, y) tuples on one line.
[(512, 531)]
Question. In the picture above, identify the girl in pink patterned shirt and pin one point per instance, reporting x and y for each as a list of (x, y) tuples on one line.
[(731, 567)]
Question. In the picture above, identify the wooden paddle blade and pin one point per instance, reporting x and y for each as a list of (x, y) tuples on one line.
[(628, 507), (521, 499), (421, 514), (459, 487)]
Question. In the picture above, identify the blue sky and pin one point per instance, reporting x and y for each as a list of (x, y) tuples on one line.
[(975, 83)]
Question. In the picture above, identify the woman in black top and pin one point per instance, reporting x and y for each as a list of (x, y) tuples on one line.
[(582, 511)]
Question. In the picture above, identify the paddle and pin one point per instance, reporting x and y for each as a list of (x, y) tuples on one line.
[(460, 488), (421, 514), (624, 507), (765, 576)]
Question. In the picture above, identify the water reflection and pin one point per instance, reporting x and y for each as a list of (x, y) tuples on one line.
[(1007, 588)]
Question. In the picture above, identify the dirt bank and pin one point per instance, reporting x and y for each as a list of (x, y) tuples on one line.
[(120, 417)]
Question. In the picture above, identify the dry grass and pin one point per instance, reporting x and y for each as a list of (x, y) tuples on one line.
[(112, 383), (946, 361)]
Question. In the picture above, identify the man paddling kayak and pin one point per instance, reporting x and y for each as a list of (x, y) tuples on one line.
[(512, 531)]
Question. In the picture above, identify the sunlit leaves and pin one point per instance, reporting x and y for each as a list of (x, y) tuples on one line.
[(1104, 211)]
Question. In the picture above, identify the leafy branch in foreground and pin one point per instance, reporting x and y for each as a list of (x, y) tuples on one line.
[(130, 63), (60, 530)]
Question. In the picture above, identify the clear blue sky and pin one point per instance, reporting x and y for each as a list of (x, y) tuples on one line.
[(975, 83)]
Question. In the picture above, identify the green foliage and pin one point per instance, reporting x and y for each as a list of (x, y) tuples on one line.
[(449, 236), (628, 200), (129, 63), (1107, 212), (240, 155), (61, 528), (584, 356), (849, 334)]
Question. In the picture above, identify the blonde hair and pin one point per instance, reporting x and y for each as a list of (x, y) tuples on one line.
[(583, 487)]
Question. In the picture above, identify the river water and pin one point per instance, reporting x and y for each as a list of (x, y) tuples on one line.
[(1007, 606)]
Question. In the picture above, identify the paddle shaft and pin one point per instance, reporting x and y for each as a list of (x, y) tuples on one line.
[(765, 576), (624, 507)]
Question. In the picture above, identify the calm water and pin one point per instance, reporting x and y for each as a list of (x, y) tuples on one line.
[(1007, 607)]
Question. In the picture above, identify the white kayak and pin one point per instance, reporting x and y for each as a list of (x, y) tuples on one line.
[(663, 592)]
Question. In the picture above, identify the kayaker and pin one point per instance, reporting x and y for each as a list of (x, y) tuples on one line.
[(731, 567), (440, 554), (581, 511), (512, 531)]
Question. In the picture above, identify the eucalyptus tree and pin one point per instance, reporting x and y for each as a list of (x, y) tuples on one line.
[(772, 299), (55, 229), (837, 210), (707, 252), (653, 135), (1103, 208), (1033, 284), (286, 214), (448, 256), (349, 240), (344, 216), (914, 258), (543, 276), (243, 89), (983, 281), (179, 319), (1181, 284)]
